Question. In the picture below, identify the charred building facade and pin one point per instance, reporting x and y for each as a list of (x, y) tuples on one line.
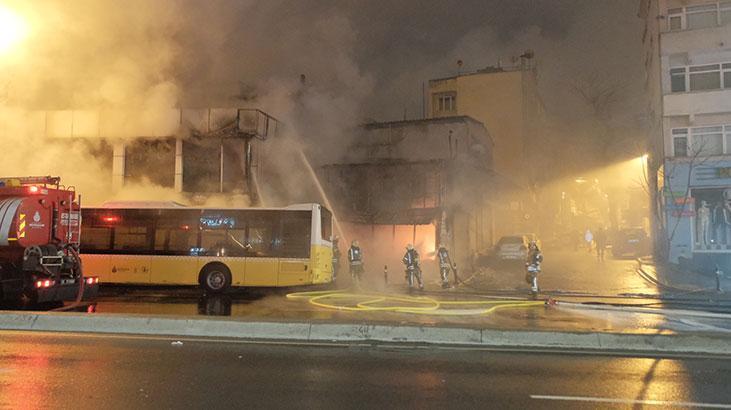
[(423, 182), (195, 152)]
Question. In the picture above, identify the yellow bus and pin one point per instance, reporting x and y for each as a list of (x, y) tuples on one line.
[(213, 248)]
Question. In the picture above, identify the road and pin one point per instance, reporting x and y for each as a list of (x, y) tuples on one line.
[(89, 371), (568, 271)]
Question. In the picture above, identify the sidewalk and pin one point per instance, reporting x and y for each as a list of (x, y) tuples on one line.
[(672, 278), (336, 317)]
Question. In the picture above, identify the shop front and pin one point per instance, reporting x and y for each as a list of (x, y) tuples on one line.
[(698, 214)]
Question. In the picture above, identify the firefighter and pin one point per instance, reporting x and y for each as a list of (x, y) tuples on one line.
[(336, 257), (355, 258), (533, 265), (411, 260), (445, 264)]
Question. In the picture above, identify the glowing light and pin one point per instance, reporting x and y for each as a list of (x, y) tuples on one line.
[(110, 219), (13, 29), (33, 189)]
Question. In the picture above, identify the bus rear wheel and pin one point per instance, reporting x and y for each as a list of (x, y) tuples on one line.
[(215, 278)]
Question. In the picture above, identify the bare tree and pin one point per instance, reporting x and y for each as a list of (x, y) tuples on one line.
[(599, 94), (698, 156)]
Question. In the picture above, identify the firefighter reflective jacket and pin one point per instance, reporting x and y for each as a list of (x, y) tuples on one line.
[(444, 261), (355, 256), (411, 258)]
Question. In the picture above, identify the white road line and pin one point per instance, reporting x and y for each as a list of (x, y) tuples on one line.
[(631, 401)]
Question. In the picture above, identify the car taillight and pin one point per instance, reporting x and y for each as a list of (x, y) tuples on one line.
[(44, 283), (92, 280)]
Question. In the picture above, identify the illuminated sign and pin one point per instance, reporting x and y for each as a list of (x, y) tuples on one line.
[(217, 221)]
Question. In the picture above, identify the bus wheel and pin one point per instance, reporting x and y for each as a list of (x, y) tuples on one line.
[(215, 278)]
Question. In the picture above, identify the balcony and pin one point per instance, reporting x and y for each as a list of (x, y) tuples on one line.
[(699, 102), (695, 40)]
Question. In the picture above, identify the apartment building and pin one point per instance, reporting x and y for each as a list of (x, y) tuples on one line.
[(692, 42), (505, 99)]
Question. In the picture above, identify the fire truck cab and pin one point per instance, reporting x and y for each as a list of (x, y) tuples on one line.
[(39, 242)]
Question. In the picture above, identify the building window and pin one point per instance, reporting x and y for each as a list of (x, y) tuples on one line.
[(711, 215), (701, 16), (675, 19), (700, 78), (680, 142), (701, 141), (677, 79), (705, 77), (445, 102), (725, 9), (707, 141)]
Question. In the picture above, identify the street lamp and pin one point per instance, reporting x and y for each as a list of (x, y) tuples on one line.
[(13, 29)]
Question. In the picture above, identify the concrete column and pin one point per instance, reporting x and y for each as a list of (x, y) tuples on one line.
[(118, 165), (178, 165)]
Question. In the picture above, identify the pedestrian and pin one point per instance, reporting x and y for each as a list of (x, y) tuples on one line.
[(355, 258), (445, 264), (600, 239), (588, 238)]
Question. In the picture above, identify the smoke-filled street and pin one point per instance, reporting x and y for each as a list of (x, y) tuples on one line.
[(183, 183), (574, 271)]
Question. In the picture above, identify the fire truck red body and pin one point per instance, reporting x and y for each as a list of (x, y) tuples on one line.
[(39, 241)]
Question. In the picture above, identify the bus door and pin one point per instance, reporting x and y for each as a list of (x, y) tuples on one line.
[(261, 258)]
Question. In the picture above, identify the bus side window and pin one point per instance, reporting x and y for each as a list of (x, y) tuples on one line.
[(97, 226), (176, 232), (213, 242), (296, 233), (133, 234), (261, 235), (96, 239)]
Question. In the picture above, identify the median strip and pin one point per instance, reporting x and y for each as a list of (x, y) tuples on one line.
[(314, 331)]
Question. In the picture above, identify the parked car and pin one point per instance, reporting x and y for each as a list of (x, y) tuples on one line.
[(512, 248), (630, 242)]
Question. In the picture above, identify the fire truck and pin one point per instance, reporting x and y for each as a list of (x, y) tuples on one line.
[(40, 229)]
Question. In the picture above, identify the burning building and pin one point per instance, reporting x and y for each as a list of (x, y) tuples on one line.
[(197, 153), (421, 181)]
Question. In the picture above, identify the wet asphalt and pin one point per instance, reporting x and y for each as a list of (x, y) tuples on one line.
[(569, 276), (91, 372)]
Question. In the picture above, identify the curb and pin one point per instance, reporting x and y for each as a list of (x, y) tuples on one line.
[(652, 279), (707, 343)]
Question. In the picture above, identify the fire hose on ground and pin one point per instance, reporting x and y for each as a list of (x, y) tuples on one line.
[(375, 302)]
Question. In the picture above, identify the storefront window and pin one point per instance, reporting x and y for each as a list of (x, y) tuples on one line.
[(712, 218)]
